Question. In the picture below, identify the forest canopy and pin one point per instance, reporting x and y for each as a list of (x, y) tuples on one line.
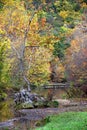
[(38, 43)]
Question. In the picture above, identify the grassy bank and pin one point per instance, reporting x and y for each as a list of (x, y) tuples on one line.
[(67, 121)]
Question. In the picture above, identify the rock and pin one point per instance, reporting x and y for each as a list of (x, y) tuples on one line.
[(25, 99), (21, 97), (27, 105)]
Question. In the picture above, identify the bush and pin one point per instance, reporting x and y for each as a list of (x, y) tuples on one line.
[(74, 92), (2, 96), (53, 104)]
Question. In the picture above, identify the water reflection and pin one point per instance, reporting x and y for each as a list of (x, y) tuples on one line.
[(7, 107), (6, 110), (24, 124), (21, 124), (58, 93)]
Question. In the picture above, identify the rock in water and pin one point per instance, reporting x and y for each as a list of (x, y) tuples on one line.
[(25, 99)]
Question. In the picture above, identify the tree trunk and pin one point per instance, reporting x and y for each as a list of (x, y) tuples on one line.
[(21, 66)]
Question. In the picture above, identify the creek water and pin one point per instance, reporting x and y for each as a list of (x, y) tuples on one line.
[(7, 112)]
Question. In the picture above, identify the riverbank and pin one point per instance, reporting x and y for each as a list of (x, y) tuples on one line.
[(27, 118), (66, 121)]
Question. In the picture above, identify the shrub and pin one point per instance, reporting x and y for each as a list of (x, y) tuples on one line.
[(74, 92)]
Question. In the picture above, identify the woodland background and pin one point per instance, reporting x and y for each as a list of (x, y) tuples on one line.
[(42, 41)]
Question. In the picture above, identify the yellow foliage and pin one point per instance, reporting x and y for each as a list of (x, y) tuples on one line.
[(84, 5), (39, 72), (75, 45), (64, 14)]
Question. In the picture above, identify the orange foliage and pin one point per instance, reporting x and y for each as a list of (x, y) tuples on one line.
[(43, 21)]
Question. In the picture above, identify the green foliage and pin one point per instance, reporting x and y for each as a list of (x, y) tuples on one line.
[(60, 48), (52, 104), (55, 103), (4, 69), (2, 61), (2, 57), (3, 95), (1, 5), (67, 121)]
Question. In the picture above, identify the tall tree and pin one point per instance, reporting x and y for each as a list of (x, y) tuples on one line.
[(16, 24), (76, 58), (22, 29)]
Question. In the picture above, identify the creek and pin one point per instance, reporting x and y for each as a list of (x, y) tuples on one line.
[(14, 120)]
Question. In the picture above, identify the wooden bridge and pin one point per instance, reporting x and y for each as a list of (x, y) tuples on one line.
[(56, 85)]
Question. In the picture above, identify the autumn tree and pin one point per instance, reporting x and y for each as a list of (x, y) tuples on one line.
[(76, 57), (70, 13), (38, 64), (22, 30), (16, 24)]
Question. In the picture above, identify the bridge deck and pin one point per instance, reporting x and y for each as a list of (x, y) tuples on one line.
[(56, 85)]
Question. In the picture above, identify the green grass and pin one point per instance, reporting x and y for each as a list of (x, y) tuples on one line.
[(67, 121)]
